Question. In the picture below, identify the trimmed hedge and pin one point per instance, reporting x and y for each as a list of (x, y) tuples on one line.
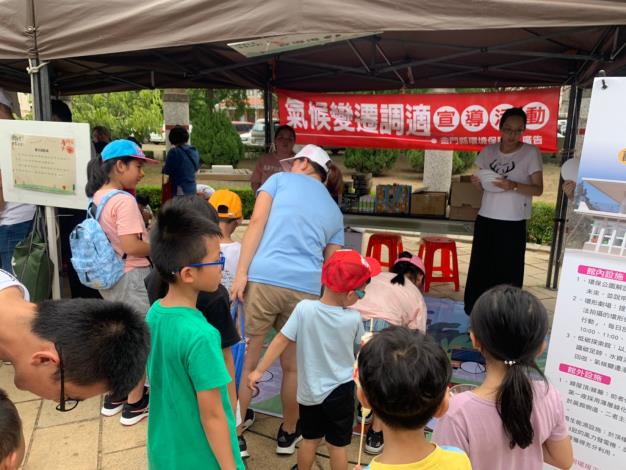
[(153, 193), (367, 160), (541, 223)]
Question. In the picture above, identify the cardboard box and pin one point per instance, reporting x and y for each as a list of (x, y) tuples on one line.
[(429, 203), (467, 213), (393, 198), (463, 193)]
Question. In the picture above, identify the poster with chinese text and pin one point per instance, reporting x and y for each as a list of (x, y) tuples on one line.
[(587, 355), (46, 164), (459, 121)]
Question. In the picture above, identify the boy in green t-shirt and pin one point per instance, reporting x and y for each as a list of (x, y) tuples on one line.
[(191, 423)]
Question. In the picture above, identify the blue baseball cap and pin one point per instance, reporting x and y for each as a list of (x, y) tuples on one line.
[(124, 148)]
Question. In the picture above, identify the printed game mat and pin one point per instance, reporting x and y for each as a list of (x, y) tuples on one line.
[(447, 323)]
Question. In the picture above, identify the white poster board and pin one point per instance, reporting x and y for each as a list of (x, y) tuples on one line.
[(587, 355), (45, 163)]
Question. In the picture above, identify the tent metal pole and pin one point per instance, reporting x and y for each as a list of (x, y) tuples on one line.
[(40, 87), (267, 106), (558, 228)]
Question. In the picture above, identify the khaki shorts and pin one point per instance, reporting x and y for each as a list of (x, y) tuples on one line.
[(269, 306)]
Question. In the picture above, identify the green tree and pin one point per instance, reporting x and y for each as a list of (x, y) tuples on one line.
[(216, 139), (205, 101), (124, 113)]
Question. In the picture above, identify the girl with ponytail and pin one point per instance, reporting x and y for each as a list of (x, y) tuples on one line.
[(392, 298), (121, 166), (515, 419)]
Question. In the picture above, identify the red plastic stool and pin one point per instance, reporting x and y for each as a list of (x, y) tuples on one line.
[(449, 270), (391, 241)]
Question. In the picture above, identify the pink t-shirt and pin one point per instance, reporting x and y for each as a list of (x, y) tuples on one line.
[(121, 216), (473, 425), (394, 303)]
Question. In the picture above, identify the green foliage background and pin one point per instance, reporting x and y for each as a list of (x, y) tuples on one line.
[(125, 113), (368, 160)]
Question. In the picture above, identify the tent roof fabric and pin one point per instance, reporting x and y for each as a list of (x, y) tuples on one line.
[(124, 45)]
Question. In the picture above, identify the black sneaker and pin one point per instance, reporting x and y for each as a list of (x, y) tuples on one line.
[(112, 406), (243, 447), (295, 467), (132, 413), (248, 420), (287, 442), (359, 415), (374, 442)]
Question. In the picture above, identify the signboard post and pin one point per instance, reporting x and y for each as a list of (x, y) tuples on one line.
[(587, 356)]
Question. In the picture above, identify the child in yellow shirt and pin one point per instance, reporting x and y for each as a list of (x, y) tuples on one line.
[(403, 377)]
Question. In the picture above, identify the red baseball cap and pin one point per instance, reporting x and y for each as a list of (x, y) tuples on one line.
[(347, 270)]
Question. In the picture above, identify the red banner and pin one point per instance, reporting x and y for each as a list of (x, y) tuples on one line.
[(459, 121)]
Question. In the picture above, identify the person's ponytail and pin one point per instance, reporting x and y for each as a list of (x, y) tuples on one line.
[(96, 176), (98, 173), (511, 325), (334, 181), (401, 268), (514, 403)]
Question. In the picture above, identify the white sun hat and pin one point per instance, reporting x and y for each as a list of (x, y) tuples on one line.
[(311, 152)]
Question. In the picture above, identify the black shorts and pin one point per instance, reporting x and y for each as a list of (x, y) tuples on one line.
[(332, 419)]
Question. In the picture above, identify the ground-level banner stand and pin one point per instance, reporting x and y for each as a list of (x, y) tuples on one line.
[(587, 356)]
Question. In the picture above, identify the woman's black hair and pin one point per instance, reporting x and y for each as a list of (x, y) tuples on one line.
[(519, 112), (511, 325), (178, 135), (285, 127), (402, 268), (98, 173), (332, 179)]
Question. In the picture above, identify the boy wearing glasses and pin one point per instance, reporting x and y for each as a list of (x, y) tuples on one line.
[(191, 423), (325, 332)]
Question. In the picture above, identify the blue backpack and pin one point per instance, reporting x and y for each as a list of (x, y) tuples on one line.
[(97, 264)]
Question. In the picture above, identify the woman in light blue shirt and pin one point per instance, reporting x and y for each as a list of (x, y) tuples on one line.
[(296, 224)]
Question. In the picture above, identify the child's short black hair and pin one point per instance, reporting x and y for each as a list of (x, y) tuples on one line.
[(178, 135), (404, 375), (10, 427), (177, 239), (100, 341)]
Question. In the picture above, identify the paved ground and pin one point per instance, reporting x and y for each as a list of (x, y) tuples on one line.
[(84, 440)]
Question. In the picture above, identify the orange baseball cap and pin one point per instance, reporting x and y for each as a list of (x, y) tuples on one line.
[(227, 204)]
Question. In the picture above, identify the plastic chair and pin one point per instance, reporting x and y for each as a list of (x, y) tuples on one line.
[(449, 265), (391, 241)]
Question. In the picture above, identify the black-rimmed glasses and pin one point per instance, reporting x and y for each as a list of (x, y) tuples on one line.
[(65, 403)]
